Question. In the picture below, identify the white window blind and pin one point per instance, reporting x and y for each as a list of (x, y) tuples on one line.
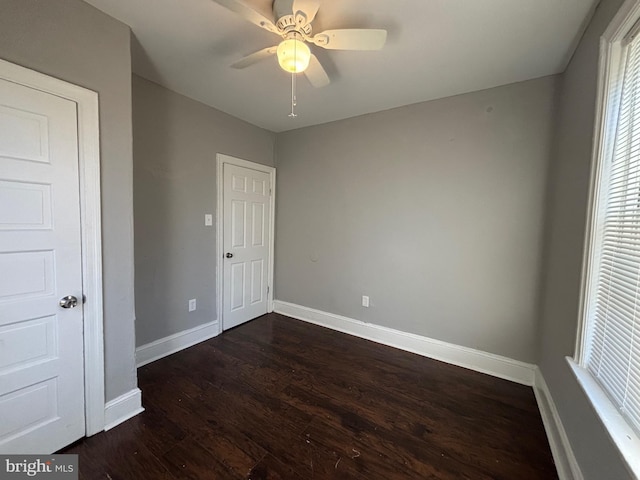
[(612, 353)]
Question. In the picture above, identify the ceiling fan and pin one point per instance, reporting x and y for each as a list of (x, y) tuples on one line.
[(291, 19)]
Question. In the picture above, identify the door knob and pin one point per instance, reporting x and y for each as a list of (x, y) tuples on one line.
[(229, 255), (69, 301)]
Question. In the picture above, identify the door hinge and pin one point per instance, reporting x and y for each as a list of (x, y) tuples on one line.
[(268, 289)]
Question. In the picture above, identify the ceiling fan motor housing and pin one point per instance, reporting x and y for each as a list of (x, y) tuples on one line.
[(288, 24), (287, 20)]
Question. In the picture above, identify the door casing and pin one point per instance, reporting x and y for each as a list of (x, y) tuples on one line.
[(90, 227), (221, 159)]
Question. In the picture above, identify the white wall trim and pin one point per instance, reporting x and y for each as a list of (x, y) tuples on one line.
[(221, 159), (163, 347), (496, 365), (563, 456), (91, 230), (122, 408)]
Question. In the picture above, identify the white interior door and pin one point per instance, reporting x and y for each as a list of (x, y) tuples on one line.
[(246, 241), (41, 343)]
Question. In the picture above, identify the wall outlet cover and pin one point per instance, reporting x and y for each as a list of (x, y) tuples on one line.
[(192, 304)]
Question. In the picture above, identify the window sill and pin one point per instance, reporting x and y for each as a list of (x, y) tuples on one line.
[(624, 437)]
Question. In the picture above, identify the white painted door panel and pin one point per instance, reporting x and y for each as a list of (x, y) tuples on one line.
[(246, 237), (41, 344)]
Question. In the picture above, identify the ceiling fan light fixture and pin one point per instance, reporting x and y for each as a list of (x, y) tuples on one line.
[(293, 55)]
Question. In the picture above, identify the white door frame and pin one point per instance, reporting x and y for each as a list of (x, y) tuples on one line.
[(221, 159), (90, 225)]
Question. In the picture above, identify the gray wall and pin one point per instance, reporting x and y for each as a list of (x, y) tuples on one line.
[(73, 41), (566, 217), (175, 144), (434, 210)]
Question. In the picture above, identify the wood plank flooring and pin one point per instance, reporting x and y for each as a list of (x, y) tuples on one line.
[(277, 398)]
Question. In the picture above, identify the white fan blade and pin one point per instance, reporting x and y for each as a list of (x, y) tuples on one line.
[(248, 13), (315, 73), (307, 9), (255, 57), (351, 39)]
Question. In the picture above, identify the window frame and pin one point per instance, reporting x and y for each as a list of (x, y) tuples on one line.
[(610, 77)]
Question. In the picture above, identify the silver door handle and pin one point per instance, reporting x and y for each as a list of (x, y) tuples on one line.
[(229, 255), (68, 302)]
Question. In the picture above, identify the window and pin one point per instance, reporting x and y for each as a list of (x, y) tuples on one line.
[(608, 349), (612, 343)]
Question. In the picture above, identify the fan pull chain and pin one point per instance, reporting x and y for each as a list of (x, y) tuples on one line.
[(293, 84), (294, 101)]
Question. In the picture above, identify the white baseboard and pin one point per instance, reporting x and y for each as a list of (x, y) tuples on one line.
[(153, 351), (565, 460), (470, 358), (122, 408)]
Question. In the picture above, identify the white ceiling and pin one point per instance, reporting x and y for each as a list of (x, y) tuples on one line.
[(435, 49)]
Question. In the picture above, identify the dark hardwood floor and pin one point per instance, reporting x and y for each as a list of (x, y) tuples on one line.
[(279, 398)]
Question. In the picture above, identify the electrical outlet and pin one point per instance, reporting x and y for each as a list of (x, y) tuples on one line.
[(365, 301), (192, 304), (208, 220)]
